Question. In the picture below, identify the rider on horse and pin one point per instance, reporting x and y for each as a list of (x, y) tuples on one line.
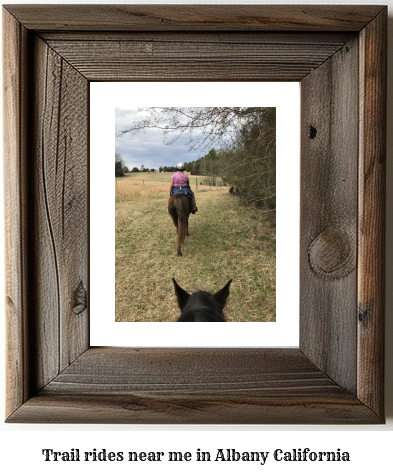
[(181, 185)]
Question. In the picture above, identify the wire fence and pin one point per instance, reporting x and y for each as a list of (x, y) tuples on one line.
[(211, 183)]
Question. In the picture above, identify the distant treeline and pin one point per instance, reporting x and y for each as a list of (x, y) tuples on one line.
[(202, 166), (121, 168)]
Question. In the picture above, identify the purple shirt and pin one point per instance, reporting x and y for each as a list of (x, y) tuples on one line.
[(180, 179)]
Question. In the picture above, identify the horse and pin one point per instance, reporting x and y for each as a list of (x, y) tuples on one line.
[(201, 306), (179, 208)]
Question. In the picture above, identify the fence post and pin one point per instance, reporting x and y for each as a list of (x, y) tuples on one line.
[(196, 184)]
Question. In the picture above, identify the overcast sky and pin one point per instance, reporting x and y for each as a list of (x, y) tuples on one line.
[(147, 148)]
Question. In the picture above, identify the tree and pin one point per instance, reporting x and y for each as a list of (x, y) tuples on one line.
[(204, 126), (211, 163), (250, 165), (196, 168), (119, 163), (125, 169), (135, 169)]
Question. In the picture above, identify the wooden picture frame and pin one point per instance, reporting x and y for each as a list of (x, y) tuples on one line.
[(338, 54)]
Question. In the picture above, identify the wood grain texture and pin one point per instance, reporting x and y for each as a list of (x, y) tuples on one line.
[(59, 221), (195, 17), (186, 371), (52, 374), (188, 59), (193, 386), (371, 261), (201, 37), (194, 409), (14, 147), (329, 169)]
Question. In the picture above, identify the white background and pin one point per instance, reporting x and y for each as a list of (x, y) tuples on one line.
[(104, 330), (370, 446)]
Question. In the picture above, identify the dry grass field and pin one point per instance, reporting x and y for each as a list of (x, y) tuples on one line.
[(227, 241)]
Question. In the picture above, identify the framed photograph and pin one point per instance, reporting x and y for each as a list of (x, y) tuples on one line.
[(52, 54), (228, 240)]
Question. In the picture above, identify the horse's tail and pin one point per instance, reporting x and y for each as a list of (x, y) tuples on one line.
[(182, 221)]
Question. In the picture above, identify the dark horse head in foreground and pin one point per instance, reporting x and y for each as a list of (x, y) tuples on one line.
[(179, 208), (201, 306)]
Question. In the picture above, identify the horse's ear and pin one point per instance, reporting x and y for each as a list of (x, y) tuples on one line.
[(221, 296), (181, 295)]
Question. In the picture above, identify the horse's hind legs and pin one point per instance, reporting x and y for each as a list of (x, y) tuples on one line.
[(179, 254), (176, 224)]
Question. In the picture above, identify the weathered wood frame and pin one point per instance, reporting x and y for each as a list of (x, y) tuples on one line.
[(338, 53)]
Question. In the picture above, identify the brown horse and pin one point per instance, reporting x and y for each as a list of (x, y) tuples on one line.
[(179, 208), (201, 306)]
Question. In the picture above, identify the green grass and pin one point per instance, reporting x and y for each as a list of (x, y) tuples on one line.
[(227, 241)]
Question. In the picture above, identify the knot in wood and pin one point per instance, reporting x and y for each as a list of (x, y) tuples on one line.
[(330, 254), (313, 132), (363, 316), (80, 299)]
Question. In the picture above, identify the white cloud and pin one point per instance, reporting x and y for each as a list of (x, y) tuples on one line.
[(147, 147)]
